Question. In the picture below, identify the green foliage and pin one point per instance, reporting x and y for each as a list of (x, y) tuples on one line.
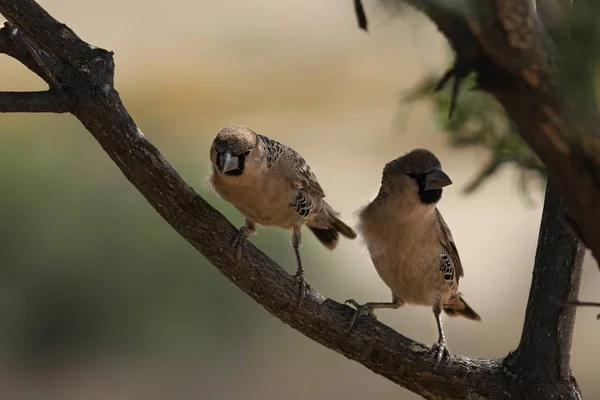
[(479, 121)]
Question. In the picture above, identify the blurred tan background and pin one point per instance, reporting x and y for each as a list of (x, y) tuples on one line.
[(100, 299)]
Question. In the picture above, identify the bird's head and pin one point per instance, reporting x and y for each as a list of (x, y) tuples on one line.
[(234, 149), (415, 177)]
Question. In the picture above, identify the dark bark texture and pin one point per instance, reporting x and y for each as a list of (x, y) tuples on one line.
[(80, 80), (542, 360)]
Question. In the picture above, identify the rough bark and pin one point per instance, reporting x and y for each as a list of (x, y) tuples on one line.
[(80, 78), (542, 360)]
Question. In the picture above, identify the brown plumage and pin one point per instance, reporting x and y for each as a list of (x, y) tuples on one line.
[(272, 185), (410, 244)]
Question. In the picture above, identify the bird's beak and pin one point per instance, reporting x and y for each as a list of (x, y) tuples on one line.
[(227, 161), (436, 179)]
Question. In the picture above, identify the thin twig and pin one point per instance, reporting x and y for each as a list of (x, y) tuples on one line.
[(36, 53)]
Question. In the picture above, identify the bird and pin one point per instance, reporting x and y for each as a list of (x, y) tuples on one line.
[(411, 245), (270, 184)]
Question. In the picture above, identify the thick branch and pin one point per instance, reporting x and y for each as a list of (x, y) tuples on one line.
[(48, 101), (544, 353), (374, 345)]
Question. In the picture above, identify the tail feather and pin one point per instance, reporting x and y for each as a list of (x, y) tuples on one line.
[(330, 236), (342, 228), (461, 308)]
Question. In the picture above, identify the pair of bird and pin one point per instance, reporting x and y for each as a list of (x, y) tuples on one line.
[(410, 245)]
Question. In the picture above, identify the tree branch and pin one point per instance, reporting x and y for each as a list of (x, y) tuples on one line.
[(34, 102), (544, 352), (20, 47), (583, 304), (86, 75)]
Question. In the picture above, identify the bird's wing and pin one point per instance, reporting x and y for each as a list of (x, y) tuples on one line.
[(273, 149), (302, 203), (299, 171), (450, 263), (301, 175)]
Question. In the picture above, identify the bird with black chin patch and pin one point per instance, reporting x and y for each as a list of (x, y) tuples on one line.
[(410, 245), (272, 185)]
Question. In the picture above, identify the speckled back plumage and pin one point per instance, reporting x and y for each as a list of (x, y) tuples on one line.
[(302, 176), (273, 149)]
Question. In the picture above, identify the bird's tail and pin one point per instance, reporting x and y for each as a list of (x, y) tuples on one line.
[(330, 236), (461, 308)]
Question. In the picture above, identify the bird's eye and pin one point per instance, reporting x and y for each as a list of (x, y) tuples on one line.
[(247, 152), (411, 174)]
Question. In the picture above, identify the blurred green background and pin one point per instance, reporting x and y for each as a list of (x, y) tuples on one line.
[(99, 298)]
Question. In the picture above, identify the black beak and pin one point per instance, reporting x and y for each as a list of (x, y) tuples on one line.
[(437, 179)]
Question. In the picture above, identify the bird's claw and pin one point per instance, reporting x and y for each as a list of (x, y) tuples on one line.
[(364, 309), (239, 242), (440, 352)]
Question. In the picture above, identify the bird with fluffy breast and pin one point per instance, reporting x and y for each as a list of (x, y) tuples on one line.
[(410, 245), (272, 185)]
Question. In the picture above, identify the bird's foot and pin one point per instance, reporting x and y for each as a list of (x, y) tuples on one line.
[(239, 242), (364, 309), (440, 352), (299, 278)]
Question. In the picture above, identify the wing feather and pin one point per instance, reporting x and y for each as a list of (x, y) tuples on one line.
[(303, 177), (450, 263), (296, 166)]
